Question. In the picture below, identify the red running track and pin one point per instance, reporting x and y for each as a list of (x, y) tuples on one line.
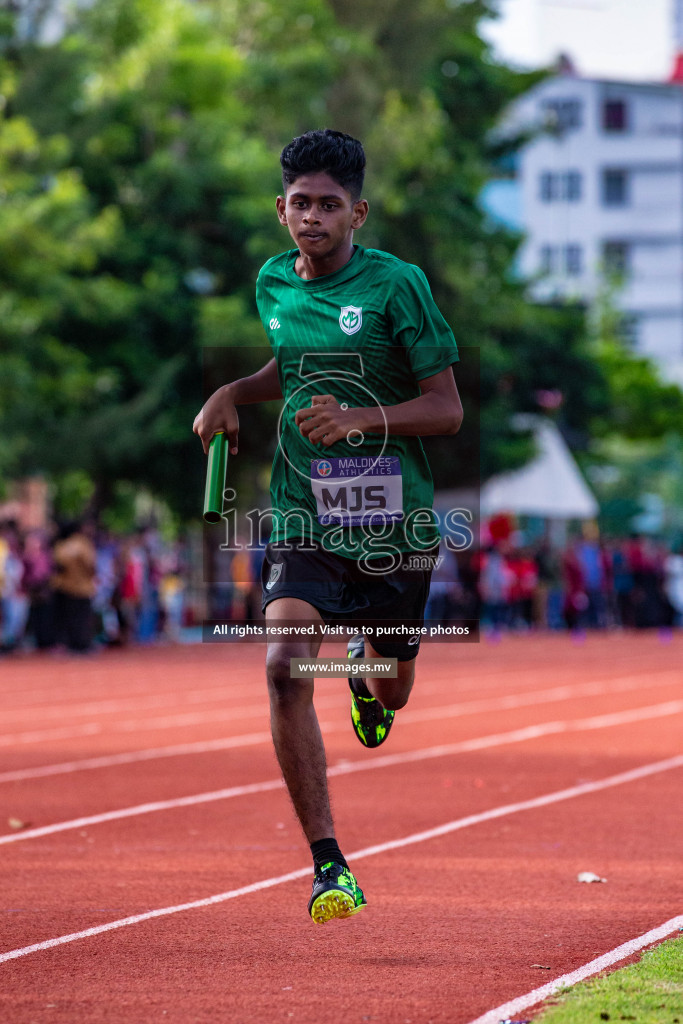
[(145, 781)]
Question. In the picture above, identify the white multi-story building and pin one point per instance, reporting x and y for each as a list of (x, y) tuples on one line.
[(602, 201)]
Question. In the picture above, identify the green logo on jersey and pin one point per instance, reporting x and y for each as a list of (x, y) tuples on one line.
[(351, 319)]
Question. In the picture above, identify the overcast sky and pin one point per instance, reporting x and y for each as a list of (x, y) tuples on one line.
[(631, 39)]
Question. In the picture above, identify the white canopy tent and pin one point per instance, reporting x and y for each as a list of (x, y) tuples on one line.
[(550, 486)]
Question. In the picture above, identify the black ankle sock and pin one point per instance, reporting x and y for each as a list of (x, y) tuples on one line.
[(359, 688), (326, 850)]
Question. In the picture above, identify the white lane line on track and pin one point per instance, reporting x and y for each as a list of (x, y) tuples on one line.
[(46, 696), (147, 702), (134, 756), (106, 675), (601, 963), (549, 696), (350, 767), (98, 728), (507, 702), (233, 712), (184, 719), (218, 693), (119, 681), (369, 851), (151, 703)]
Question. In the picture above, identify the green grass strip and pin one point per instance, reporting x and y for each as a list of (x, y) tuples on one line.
[(647, 992)]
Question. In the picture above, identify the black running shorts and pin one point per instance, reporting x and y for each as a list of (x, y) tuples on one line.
[(342, 591)]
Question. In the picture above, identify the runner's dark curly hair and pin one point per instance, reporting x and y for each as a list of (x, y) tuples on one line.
[(327, 151)]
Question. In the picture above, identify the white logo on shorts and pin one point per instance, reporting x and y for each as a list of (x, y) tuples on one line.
[(414, 640), (274, 324), (351, 319), (275, 573)]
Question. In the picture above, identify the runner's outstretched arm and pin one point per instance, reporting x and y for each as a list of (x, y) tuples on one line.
[(219, 411)]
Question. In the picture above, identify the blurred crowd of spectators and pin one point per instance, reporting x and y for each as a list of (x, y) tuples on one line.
[(75, 586), (635, 583)]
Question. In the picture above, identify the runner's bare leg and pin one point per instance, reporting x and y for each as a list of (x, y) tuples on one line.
[(294, 724), (392, 694)]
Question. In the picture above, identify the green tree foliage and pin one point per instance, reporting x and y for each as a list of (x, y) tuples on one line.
[(629, 476), (52, 239), (140, 152), (155, 136), (635, 454), (641, 405)]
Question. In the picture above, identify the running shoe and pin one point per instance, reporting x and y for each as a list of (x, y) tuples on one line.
[(336, 893), (371, 722)]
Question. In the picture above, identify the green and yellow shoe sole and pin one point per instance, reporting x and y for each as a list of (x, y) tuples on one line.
[(335, 903)]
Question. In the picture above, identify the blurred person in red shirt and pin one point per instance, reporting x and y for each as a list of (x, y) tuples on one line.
[(132, 571), (648, 577), (575, 601), (522, 587)]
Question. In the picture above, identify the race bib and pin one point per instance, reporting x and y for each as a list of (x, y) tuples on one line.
[(358, 490)]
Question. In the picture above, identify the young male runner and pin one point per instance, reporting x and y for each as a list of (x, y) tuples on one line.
[(363, 359)]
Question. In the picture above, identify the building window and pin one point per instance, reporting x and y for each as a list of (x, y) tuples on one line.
[(616, 258), (614, 116), (629, 330), (562, 115), (572, 186), (560, 185), (615, 187), (547, 189), (548, 260), (572, 260)]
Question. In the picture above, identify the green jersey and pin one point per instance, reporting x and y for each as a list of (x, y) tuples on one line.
[(366, 334)]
